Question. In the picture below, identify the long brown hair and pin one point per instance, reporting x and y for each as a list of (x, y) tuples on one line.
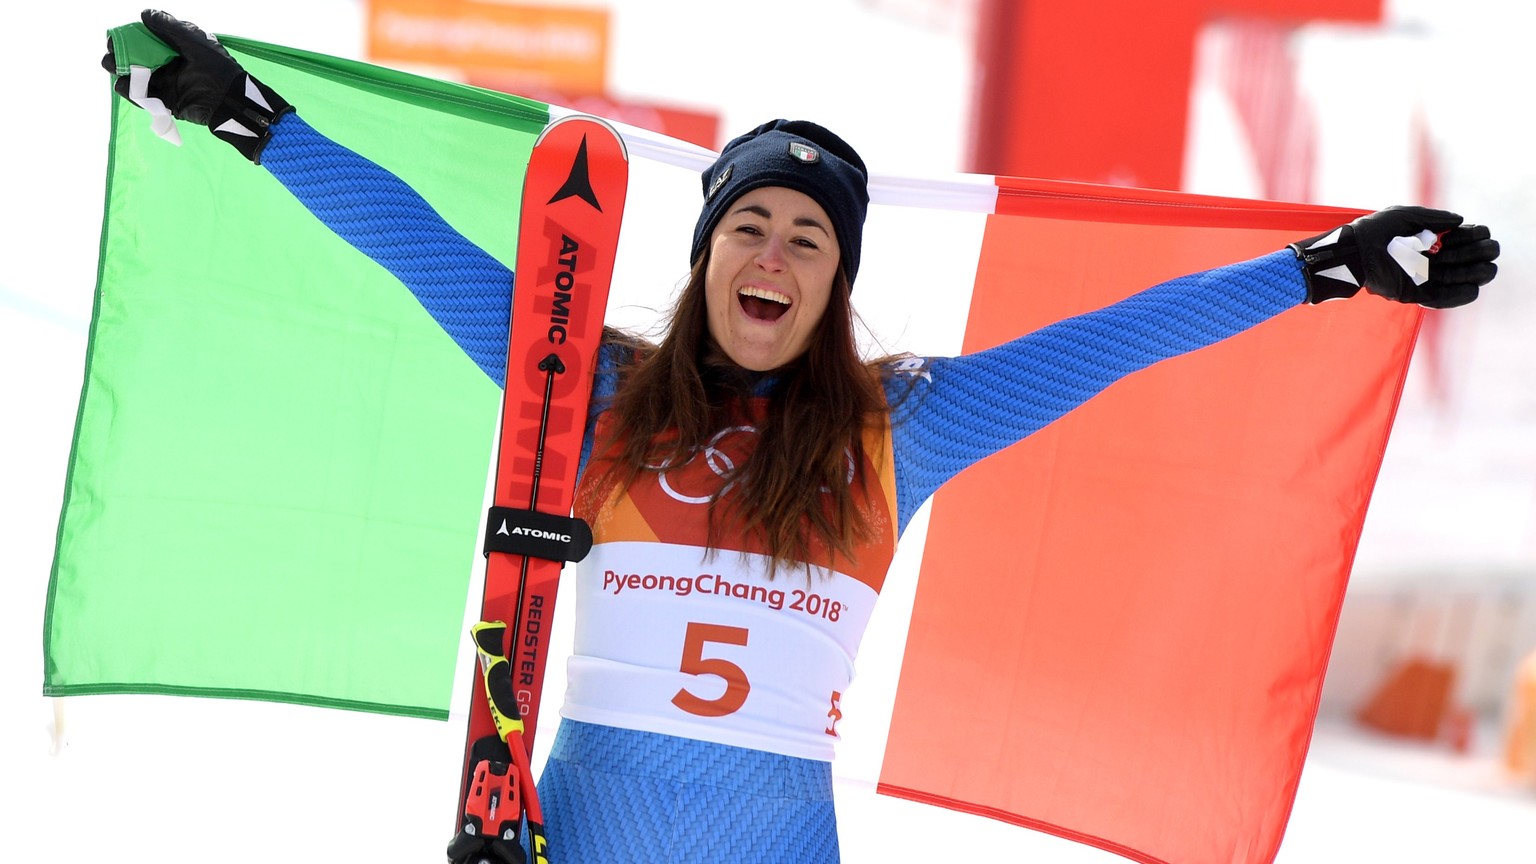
[(794, 488)]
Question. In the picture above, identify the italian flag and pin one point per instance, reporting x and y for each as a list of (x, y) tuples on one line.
[(1115, 631)]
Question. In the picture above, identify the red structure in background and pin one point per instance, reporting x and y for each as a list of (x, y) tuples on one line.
[(1098, 90)]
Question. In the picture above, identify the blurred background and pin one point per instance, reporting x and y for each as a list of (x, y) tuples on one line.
[(1426, 745)]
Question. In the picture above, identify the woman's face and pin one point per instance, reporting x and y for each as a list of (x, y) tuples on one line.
[(771, 262)]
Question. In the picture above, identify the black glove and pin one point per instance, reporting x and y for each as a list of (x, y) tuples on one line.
[(205, 85), (1407, 254)]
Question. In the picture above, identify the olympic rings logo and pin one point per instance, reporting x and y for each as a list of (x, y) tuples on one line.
[(722, 465), (714, 457)]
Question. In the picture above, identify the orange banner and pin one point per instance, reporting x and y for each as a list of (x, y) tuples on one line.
[(556, 47)]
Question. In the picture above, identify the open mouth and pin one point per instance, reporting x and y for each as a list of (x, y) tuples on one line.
[(761, 304)]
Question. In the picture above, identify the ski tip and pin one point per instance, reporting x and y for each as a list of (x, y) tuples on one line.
[(586, 119)]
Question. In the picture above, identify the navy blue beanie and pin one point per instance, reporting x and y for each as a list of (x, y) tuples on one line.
[(795, 154)]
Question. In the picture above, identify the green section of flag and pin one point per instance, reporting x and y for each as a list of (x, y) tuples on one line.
[(279, 458)]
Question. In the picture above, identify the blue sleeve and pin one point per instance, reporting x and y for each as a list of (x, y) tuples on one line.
[(949, 413), (463, 288), (611, 360)]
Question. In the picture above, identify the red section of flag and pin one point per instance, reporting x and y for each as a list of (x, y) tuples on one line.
[(1060, 200), (1122, 623)]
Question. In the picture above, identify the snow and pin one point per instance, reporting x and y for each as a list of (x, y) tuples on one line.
[(174, 779)]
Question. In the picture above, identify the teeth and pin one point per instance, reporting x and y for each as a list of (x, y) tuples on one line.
[(765, 294)]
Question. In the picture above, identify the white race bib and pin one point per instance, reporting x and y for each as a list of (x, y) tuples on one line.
[(671, 641)]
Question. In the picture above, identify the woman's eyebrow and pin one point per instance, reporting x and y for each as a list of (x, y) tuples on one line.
[(802, 221)]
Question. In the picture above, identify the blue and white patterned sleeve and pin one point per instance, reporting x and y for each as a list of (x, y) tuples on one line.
[(612, 358), (962, 409), (463, 288)]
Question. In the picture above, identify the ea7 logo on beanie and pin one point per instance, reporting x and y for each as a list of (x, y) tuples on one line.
[(719, 181)]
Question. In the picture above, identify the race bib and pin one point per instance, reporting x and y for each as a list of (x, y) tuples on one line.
[(675, 640)]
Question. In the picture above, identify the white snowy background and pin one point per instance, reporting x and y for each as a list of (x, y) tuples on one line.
[(164, 779)]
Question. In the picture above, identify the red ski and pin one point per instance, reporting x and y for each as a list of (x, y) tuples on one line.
[(573, 203)]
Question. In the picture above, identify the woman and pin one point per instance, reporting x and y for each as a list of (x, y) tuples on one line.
[(751, 461)]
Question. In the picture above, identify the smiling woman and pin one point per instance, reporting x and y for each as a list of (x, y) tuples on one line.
[(762, 338), (783, 213), (756, 457), (769, 278)]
